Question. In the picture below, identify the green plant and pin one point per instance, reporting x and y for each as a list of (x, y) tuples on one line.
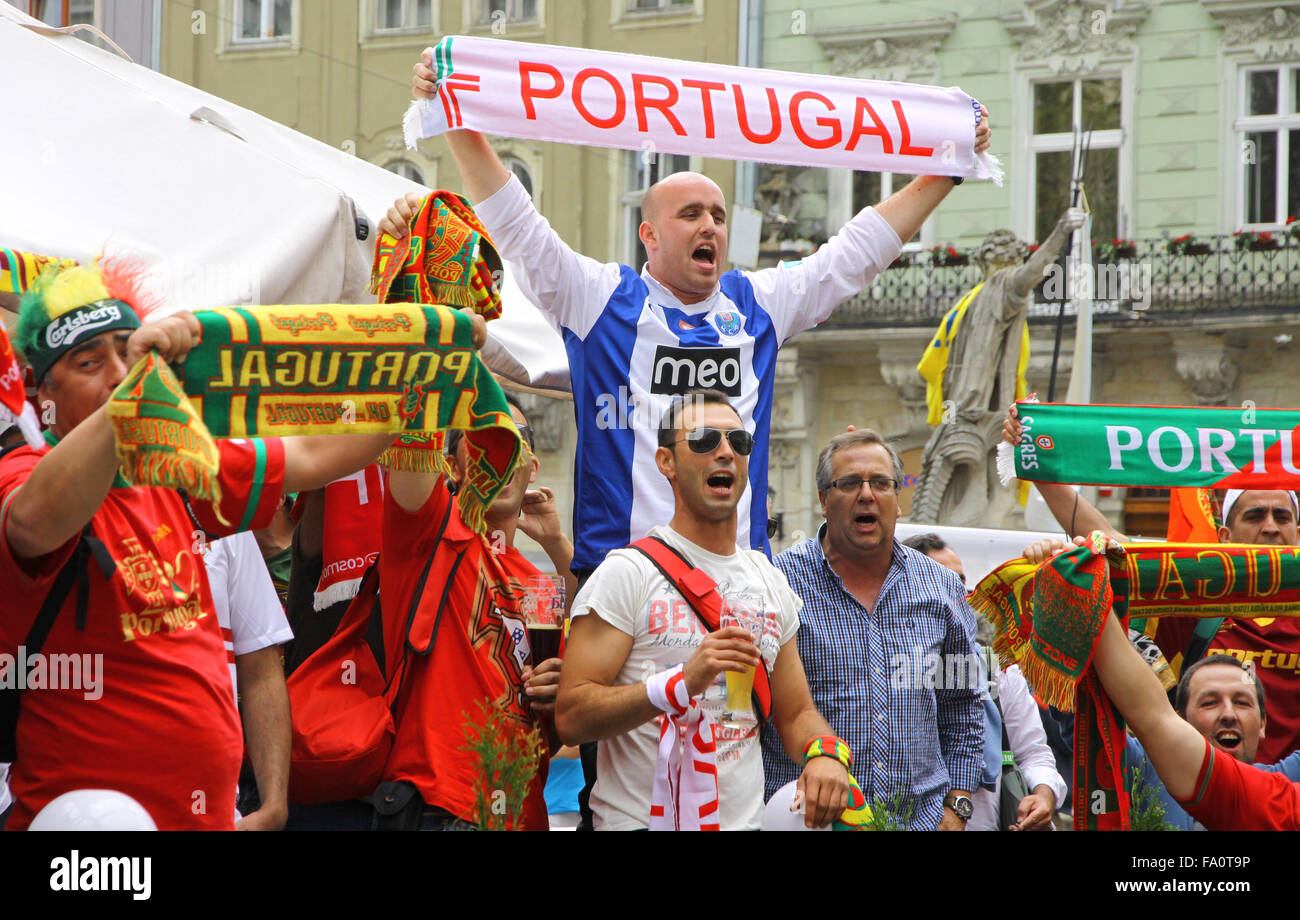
[(892, 814), (1113, 249), (1145, 813), (508, 756)]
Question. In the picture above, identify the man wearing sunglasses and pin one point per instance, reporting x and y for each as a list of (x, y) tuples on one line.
[(631, 630), (875, 613)]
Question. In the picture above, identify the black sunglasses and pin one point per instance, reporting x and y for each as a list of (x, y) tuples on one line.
[(703, 440)]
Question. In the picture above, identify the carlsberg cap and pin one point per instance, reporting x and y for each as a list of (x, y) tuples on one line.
[(64, 308)]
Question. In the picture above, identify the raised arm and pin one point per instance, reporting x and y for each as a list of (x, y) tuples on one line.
[(1077, 516), (1032, 271), (70, 483), (1175, 748)]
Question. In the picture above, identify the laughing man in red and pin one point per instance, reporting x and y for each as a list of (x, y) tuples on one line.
[(1211, 785), (161, 725)]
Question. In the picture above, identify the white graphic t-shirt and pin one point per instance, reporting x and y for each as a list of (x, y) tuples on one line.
[(629, 593)]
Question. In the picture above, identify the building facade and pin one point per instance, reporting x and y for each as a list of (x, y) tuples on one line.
[(1194, 113), (340, 71)]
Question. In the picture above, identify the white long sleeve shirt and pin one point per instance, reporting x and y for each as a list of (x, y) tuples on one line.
[(1028, 742), (632, 345)]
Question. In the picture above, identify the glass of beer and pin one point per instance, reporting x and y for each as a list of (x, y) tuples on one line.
[(544, 616), (738, 712)]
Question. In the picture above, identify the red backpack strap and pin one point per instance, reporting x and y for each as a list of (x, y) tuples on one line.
[(701, 593)]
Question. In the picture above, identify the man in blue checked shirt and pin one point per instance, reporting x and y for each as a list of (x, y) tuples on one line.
[(886, 639)]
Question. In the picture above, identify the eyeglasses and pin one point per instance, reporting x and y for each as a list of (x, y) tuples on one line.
[(881, 485), (703, 440), (526, 432), (773, 525)]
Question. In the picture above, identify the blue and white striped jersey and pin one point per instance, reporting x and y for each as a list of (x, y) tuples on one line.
[(632, 345)]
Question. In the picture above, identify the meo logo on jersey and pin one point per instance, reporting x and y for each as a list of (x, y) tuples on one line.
[(677, 370), (728, 323)]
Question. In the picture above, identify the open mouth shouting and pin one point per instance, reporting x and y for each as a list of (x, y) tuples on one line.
[(705, 256), (721, 483), (1229, 739), (865, 522)]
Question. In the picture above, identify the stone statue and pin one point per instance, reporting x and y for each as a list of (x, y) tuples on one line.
[(958, 482)]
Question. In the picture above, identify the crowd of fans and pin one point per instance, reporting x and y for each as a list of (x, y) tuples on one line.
[(872, 693)]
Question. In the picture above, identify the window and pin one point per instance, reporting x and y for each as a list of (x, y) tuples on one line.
[(403, 15), (1269, 134), (872, 188), (521, 171), (643, 170), (406, 169), (658, 6), (494, 12), (50, 12), (263, 20), (1060, 110)]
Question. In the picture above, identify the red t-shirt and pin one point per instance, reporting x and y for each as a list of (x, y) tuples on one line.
[(478, 654), (1273, 645), (159, 722), (1235, 796)]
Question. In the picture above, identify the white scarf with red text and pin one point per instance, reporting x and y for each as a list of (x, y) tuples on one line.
[(685, 794), (661, 105)]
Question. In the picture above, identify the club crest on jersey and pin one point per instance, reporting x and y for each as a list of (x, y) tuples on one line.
[(728, 323)]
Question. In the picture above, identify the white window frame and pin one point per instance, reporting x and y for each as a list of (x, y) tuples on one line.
[(267, 17), (664, 7), (621, 15), (630, 199), (370, 9), (839, 205), (477, 22), (1034, 144), (1281, 124), (406, 161)]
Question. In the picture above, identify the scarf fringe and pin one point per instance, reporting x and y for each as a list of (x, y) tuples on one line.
[(1006, 463), (1050, 686), (411, 122), (452, 295), (339, 591), (414, 460), (172, 471), (473, 512), (987, 166)]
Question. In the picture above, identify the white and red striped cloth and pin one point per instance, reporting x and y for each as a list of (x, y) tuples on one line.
[(685, 795), (628, 101), (354, 518)]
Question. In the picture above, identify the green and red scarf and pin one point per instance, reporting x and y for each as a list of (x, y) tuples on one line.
[(1049, 618), (447, 257), (1166, 446), (304, 370)]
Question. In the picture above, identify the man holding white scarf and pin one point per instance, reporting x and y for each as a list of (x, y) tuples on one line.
[(634, 341)]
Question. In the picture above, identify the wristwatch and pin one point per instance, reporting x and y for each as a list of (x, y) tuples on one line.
[(961, 804)]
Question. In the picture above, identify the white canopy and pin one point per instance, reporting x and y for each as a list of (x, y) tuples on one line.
[(225, 205)]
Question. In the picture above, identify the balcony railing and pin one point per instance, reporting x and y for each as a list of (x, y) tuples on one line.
[(1209, 276)]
